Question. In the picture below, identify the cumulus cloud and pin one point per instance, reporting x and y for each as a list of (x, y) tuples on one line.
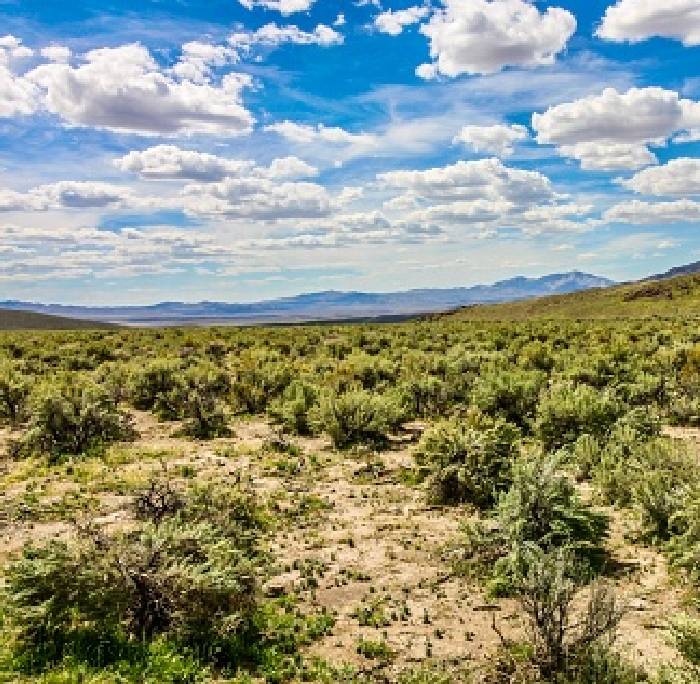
[(64, 195), (498, 139), (56, 53), (677, 177), (284, 7), (169, 162), (124, 89), (17, 95), (258, 198), (198, 59), (637, 20), (471, 180), (81, 195), (485, 36), (484, 195), (272, 35), (290, 167), (11, 48), (393, 22), (652, 213), (613, 130)]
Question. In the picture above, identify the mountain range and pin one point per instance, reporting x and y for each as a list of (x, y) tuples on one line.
[(323, 306)]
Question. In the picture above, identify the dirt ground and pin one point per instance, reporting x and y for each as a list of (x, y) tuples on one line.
[(361, 542)]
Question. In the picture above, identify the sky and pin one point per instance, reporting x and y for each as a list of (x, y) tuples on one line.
[(239, 150)]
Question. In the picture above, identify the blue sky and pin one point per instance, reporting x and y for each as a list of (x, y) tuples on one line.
[(245, 149)]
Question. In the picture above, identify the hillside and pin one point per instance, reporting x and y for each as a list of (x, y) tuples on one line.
[(320, 306), (666, 298), (28, 320)]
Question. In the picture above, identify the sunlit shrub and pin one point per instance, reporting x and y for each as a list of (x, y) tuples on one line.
[(512, 395), (292, 409), (72, 419), (357, 417), (14, 396), (470, 460), (566, 412)]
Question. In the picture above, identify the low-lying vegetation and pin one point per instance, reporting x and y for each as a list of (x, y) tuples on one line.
[(323, 503)]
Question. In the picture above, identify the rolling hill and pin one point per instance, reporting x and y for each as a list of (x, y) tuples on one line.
[(29, 320), (322, 306), (666, 297)]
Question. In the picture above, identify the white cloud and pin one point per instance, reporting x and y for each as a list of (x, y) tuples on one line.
[(602, 156), (11, 48), (198, 59), (285, 7), (290, 167), (677, 177), (258, 198), (64, 195), (393, 22), (471, 180), (17, 96), (485, 36), (613, 130), (124, 89), (169, 162), (56, 53), (486, 196), (81, 195), (653, 213), (304, 135), (636, 20), (498, 139), (272, 35)]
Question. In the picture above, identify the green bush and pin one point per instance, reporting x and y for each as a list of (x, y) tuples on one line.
[(511, 395), (188, 574), (566, 412), (684, 545), (205, 417), (292, 409), (71, 420), (152, 385), (184, 581), (14, 396), (540, 511), (357, 417), (470, 460)]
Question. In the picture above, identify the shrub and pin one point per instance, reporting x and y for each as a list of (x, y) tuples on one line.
[(73, 419), (567, 644), (181, 580), (357, 417), (541, 510), (258, 380), (424, 395), (188, 574), (511, 395), (568, 411), (14, 396), (470, 460), (292, 409), (152, 385), (204, 415), (652, 476), (684, 545)]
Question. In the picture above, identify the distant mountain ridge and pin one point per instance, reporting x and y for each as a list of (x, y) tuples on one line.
[(686, 269), (325, 306)]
